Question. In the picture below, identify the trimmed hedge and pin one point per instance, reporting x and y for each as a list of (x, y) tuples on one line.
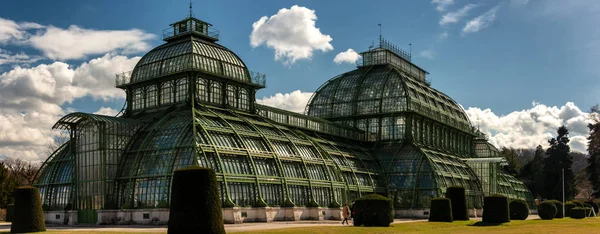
[(10, 211), (559, 211), (195, 202), (547, 210), (458, 199), (495, 209), (568, 207), (578, 213), (519, 210), (373, 210), (28, 215), (578, 203), (441, 210)]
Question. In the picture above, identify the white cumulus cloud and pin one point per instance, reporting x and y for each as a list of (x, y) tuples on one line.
[(31, 100), (531, 127), (294, 101), (348, 56), (481, 22), (442, 4), (291, 33), (73, 42), (455, 16), (107, 111), (427, 54)]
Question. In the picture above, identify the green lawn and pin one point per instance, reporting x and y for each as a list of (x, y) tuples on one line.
[(558, 226)]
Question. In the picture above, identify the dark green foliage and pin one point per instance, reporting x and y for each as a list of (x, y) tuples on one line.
[(441, 210), (532, 173), (373, 210), (519, 210), (578, 213), (195, 202), (578, 203), (312, 204), (458, 199), (28, 215), (10, 212), (495, 209), (593, 168), (559, 158), (568, 207), (260, 203), (514, 163), (559, 211), (547, 210), (288, 203), (334, 205)]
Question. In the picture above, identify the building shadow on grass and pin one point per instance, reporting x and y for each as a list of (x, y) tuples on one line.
[(484, 224)]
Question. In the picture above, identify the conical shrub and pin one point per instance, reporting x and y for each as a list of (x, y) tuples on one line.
[(458, 199), (195, 202), (10, 211), (27, 215)]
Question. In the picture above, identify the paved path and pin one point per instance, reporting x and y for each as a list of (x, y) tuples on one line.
[(228, 227)]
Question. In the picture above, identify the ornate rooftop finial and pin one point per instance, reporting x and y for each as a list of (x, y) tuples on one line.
[(380, 36), (190, 8)]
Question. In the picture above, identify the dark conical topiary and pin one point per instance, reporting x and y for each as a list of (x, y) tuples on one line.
[(10, 211), (28, 215), (495, 209), (441, 210), (195, 202), (458, 199)]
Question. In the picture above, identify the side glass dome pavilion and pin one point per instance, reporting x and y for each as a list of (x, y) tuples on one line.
[(378, 129)]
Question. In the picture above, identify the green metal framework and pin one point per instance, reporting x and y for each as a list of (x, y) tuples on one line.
[(378, 129)]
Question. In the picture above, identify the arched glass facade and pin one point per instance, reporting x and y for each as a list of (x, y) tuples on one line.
[(378, 129)]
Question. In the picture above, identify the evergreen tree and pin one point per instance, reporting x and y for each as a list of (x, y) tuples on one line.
[(593, 168), (532, 172), (559, 158), (3, 178), (513, 160)]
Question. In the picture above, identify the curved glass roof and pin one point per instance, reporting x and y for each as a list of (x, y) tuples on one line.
[(383, 89), (190, 53), (56, 178)]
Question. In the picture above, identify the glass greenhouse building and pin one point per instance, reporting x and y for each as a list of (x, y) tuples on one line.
[(380, 128)]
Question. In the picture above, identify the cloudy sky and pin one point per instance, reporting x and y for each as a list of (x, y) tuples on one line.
[(520, 68)]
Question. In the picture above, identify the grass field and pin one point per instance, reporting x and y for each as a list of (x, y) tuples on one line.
[(557, 226)]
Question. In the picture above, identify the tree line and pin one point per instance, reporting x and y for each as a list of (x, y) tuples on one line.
[(541, 169), (15, 173)]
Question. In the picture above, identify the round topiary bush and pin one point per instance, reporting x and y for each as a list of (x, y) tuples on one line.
[(495, 209), (547, 210), (519, 210), (568, 207), (195, 202), (27, 215), (577, 203), (577, 213), (458, 199), (373, 210), (559, 209), (10, 211), (441, 210)]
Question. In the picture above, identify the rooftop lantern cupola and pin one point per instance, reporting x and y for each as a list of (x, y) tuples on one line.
[(190, 68)]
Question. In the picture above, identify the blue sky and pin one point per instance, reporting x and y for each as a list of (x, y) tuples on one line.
[(527, 61)]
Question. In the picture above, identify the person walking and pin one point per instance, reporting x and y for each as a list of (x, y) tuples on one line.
[(345, 213)]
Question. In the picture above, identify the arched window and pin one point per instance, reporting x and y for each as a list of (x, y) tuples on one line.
[(181, 92), (166, 93), (243, 99), (151, 98), (201, 90), (137, 101), (215, 92), (231, 96)]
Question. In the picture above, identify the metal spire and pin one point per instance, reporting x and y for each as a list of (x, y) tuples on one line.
[(190, 8), (380, 36)]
